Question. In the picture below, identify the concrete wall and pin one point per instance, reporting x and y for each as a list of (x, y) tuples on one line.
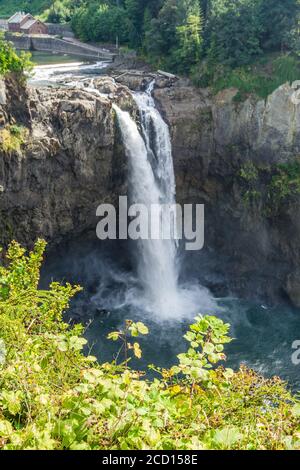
[(3, 25), (47, 43), (51, 44), (19, 41)]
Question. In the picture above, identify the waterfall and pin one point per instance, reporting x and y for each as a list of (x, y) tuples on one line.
[(155, 287), (152, 181)]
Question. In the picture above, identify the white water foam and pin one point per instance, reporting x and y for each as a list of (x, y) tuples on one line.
[(152, 181), (47, 74)]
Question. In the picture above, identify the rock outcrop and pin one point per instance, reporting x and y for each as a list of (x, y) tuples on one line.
[(214, 138), (72, 160)]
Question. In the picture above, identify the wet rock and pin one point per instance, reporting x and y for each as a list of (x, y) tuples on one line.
[(213, 137), (74, 159), (71, 162), (293, 288)]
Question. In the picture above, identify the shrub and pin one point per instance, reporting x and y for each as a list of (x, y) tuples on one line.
[(12, 137), (10, 61), (54, 397), (259, 79), (285, 183)]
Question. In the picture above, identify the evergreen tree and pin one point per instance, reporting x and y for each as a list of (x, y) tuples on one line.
[(174, 37), (135, 14), (278, 19), (234, 31), (190, 39)]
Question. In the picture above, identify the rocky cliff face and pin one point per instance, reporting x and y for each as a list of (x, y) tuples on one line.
[(227, 155), (235, 158), (70, 161)]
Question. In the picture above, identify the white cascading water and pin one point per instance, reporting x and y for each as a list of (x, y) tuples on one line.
[(47, 74), (152, 181)]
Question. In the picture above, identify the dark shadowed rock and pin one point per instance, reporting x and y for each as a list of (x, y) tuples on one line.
[(73, 160)]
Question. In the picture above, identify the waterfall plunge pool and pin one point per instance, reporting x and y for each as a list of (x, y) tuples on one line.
[(114, 285), (263, 335)]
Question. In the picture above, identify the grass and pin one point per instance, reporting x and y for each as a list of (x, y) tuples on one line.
[(259, 79), (12, 138)]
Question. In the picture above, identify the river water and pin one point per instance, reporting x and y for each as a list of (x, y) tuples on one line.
[(150, 282), (48, 58)]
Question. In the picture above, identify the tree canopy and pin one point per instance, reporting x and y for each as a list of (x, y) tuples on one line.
[(179, 34)]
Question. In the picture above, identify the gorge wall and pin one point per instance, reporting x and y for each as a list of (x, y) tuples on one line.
[(69, 163), (227, 155), (236, 158)]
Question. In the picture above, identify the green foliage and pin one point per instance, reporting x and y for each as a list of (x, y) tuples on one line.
[(271, 186), (52, 396), (286, 68), (101, 23), (250, 175), (190, 41), (132, 330), (10, 61), (249, 172), (179, 34), (234, 32), (174, 38), (9, 7), (12, 137), (259, 79), (278, 18), (285, 183), (59, 12)]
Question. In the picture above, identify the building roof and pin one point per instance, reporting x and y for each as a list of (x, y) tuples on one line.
[(17, 17), (29, 23)]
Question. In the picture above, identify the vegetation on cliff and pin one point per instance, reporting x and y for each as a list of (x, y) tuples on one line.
[(272, 187), (10, 61), (13, 135), (52, 396)]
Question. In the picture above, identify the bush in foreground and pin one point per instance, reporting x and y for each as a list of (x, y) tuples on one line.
[(10, 61), (54, 397)]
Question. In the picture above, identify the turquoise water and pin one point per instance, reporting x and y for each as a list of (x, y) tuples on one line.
[(263, 338), (263, 334)]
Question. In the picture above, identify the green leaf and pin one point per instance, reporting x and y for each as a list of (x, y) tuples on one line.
[(137, 350), (143, 329), (227, 436), (5, 428), (114, 336), (296, 410), (77, 343), (209, 348)]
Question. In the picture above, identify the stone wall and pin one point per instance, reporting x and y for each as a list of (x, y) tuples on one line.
[(65, 47)]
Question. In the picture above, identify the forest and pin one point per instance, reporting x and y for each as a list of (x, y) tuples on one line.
[(180, 34)]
